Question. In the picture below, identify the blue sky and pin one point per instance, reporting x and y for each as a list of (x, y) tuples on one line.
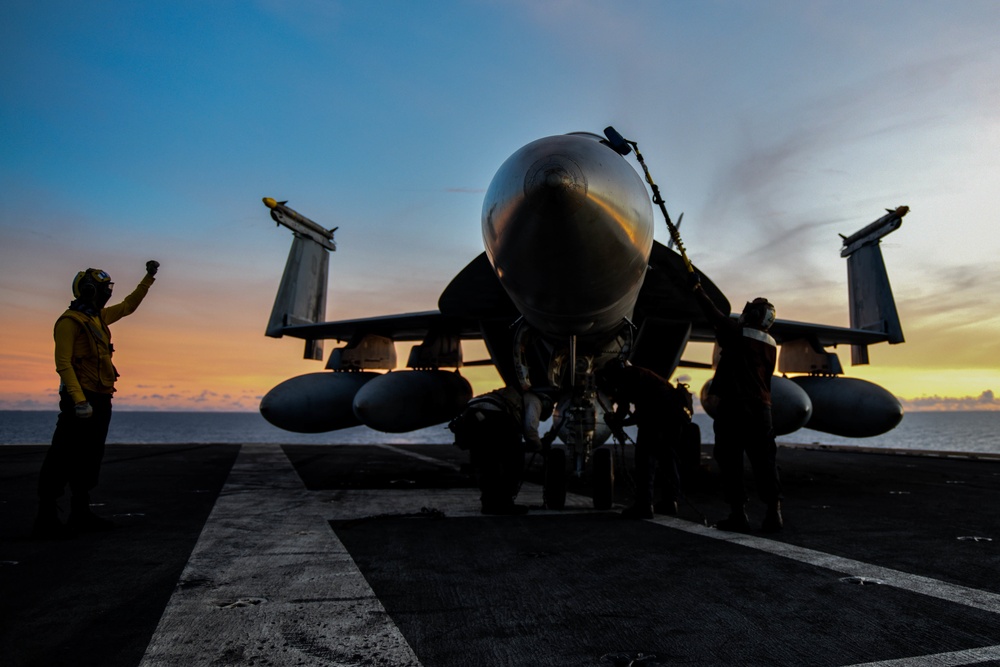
[(138, 130)]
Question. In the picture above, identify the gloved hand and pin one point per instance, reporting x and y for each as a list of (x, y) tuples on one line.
[(694, 280), (151, 267), (83, 410)]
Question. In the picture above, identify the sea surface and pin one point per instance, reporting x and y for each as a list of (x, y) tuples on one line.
[(977, 432)]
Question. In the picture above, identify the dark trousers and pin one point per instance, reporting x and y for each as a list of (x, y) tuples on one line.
[(497, 455), (746, 428), (655, 447), (74, 458), (499, 468)]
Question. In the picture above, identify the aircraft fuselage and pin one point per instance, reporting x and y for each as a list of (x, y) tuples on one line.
[(568, 227)]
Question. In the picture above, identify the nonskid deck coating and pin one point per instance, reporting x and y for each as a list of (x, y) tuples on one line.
[(571, 588)]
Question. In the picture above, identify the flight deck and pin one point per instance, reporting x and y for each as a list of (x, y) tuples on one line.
[(378, 555)]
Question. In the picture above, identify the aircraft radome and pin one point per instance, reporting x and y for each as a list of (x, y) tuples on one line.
[(570, 278)]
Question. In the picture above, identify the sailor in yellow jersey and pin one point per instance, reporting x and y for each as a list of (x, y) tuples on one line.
[(83, 355)]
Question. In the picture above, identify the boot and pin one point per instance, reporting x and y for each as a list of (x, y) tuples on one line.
[(504, 509), (737, 520), (47, 524), (668, 507), (639, 510), (82, 520), (772, 518)]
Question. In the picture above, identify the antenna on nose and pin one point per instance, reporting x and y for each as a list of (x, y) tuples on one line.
[(616, 141), (623, 146)]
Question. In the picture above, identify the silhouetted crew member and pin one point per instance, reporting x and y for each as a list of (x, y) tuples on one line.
[(660, 414), (742, 388), (83, 352), (491, 428)]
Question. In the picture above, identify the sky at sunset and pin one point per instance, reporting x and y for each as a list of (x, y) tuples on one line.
[(151, 130)]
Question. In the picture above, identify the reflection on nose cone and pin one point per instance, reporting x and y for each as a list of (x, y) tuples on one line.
[(568, 227)]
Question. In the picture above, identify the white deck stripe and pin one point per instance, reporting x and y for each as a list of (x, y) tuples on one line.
[(969, 597), (278, 585), (421, 457), (969, 657), (269, 583)]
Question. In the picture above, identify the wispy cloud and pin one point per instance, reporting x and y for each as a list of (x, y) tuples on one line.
[(314, 18), (787, 181), (985, 401)]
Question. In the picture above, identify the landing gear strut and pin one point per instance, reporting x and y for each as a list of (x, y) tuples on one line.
[(603, 479), (554, 482)]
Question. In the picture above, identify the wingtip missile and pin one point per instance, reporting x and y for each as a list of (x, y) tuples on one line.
[(871, 233), (273, 204), (283, 215)]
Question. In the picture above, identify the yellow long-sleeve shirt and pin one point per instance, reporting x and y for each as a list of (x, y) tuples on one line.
[(83, 345)]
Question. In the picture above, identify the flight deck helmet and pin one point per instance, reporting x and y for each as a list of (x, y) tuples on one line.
[(547, 397), (758, 314), (608, 378), (93, 286)]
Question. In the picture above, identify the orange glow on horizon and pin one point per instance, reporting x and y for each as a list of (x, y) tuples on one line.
[(190, 371), (228, 365), (183, 370)]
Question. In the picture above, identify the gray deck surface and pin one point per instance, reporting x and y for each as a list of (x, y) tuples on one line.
[(377, 555)]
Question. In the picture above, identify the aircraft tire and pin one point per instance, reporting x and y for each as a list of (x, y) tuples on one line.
[(554, 484), (689, 459), (603, 478)]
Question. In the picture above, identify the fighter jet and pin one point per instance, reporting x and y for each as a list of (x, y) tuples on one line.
[(569, 279)]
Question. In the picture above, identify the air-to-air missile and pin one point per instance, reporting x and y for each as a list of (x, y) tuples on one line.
[(299, 223), (885, 225)]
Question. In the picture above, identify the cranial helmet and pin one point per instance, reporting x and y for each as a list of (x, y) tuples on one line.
[(93, 286), (608, 376), (547, 397), (758, 314)]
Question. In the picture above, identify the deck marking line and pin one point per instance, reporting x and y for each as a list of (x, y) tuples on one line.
[(269, 582), (422, 457), (969, 597), (968, 657)]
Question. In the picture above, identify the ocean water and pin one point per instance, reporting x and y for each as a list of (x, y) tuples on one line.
[(977, 432)]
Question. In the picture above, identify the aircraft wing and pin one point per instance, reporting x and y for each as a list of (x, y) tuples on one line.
[(824, 335), (402, 327), (666, 294), (473, 296)]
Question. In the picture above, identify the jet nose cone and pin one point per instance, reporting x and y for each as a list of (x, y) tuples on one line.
[(555, 174), (558, 178), (567, 225)]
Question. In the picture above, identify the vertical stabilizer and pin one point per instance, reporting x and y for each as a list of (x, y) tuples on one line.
[(301, 297), (872, 305)]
